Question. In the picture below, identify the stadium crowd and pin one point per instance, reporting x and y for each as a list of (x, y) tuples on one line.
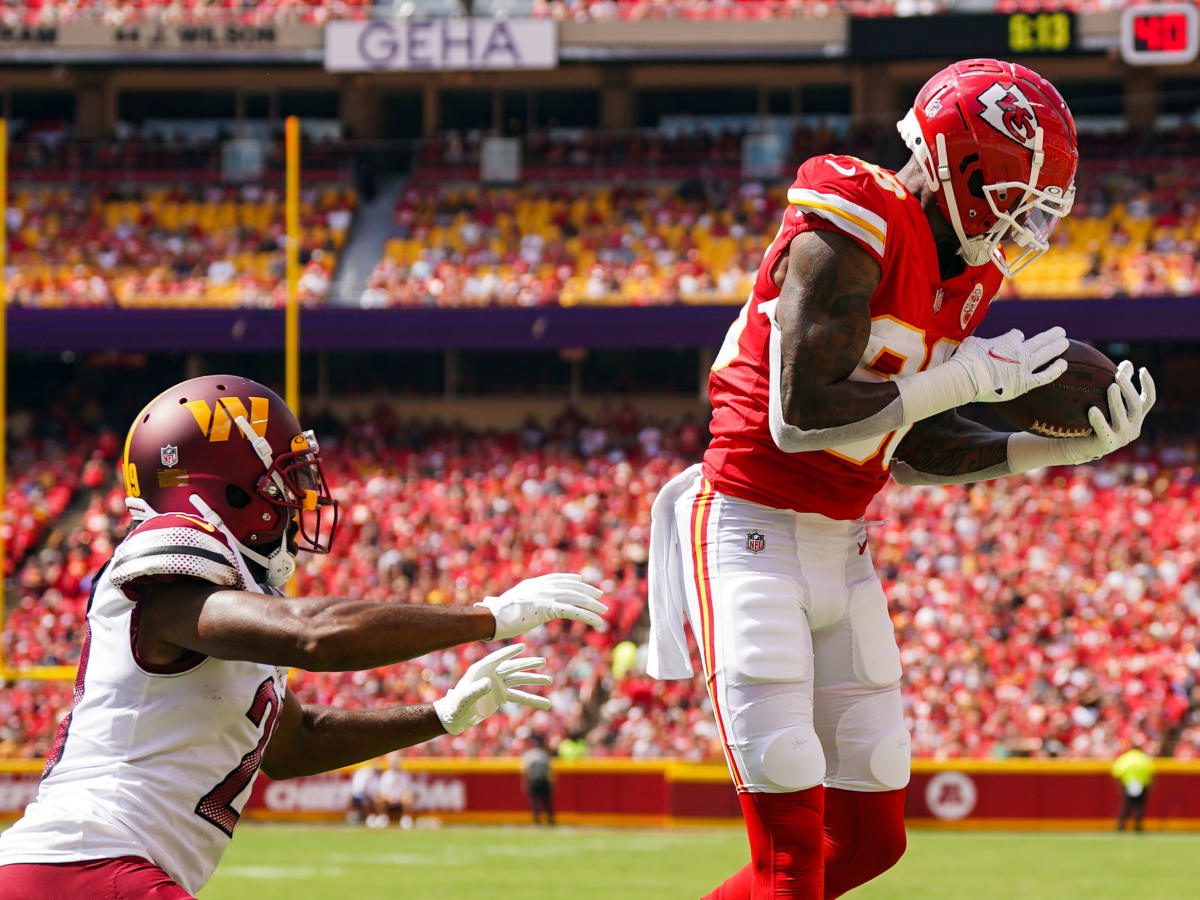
[(181, 12), (277, 12), (1132, 234), (631, 218), (168, 246), (1047, 615)]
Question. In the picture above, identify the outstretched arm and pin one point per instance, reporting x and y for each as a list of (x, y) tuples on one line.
[(311, 739), (337, 634), (821, 325)]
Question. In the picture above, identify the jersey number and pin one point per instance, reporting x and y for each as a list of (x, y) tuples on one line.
[(217, 805), (895, 348)]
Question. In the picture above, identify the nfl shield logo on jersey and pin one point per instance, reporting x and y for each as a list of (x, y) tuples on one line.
[(169, 455), (756, 541)]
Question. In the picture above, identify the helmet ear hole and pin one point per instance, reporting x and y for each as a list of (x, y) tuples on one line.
[(975, 183), (236, 497)]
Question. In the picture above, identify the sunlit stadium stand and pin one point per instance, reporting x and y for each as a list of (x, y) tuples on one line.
[(168, 246)]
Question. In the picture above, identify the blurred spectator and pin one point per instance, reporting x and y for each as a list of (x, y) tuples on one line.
[(395, 793), (365, 801), (1134, 770), (537, 780)]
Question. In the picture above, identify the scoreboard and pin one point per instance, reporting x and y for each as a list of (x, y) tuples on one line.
[(1162, 34), (1000, 35)]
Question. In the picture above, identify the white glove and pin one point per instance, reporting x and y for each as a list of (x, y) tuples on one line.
[(1126, 411), (538, 600), (1008, 366), (488, 684)]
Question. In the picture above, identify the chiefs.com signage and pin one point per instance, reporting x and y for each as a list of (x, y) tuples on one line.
[(1006, 794)]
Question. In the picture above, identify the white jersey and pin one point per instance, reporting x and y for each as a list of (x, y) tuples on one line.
[(152, 761)]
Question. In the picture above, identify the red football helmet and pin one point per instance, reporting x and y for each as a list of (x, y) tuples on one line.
[(228, 448), (998, 143)]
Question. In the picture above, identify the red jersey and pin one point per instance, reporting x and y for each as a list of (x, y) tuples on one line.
[(917, 320)]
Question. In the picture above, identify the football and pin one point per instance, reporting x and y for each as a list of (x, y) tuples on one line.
[(1060, 409)]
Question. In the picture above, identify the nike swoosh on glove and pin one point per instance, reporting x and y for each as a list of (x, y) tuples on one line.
[(536, 601), (1008, 366)]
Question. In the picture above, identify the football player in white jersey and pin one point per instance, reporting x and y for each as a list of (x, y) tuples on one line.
[(181, 694)]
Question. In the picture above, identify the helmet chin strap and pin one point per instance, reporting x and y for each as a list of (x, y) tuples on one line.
[(976, 251), (280, 566)]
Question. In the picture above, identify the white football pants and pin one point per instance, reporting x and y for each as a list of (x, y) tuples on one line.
[(798, 649)]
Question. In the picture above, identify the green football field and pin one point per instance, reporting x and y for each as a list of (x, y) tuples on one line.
[(339, 863)]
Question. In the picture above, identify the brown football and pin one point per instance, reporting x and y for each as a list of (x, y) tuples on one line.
[(1060, 408)]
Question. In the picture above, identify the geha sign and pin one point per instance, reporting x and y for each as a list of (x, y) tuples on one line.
[(432, 44)]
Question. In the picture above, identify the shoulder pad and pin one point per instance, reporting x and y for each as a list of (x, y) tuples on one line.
[(174, 545), (850, 195)]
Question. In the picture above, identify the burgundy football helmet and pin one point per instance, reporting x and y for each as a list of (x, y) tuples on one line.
[(230, 450), (997, 142)]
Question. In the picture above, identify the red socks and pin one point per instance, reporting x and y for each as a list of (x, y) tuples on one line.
[(864, 837), (785, 848), (815, 844)]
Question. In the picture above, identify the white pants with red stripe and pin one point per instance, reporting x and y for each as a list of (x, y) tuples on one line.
[(798, 649)]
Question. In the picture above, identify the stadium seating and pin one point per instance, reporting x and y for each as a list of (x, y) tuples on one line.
[(45, 153), (130, 12), (649, 243), (1130, 235), (168, 246), (1052, 614), (632, 218)]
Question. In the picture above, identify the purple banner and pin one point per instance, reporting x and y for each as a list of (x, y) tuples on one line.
[(339, 329)]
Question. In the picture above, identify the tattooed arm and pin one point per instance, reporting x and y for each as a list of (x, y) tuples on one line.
[(821, 325), (948, 449), (824, 318)]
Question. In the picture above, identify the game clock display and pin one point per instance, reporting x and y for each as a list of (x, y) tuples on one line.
[(999, 35), (1163, 34)]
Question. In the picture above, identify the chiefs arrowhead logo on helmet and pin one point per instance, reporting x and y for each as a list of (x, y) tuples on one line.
[(1009, 182), (1009, 111)]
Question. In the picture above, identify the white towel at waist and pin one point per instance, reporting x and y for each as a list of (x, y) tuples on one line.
[(668, 652)]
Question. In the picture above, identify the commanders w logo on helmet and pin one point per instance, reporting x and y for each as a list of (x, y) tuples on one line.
[(266, 489), (228, 409)]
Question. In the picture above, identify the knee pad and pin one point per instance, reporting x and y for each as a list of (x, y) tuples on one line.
[(876, 658), (793, 760), (872, 744), (891, 760)]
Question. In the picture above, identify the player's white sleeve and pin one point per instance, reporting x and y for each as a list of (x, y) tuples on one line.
[(175, 550)]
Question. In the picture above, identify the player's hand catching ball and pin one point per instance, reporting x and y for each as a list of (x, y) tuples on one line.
[(536, 601), (487, 685), (1008, 366), (1127, 408)]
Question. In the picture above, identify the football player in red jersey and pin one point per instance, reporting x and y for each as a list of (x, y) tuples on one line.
[(182, 692), (844, 368)]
